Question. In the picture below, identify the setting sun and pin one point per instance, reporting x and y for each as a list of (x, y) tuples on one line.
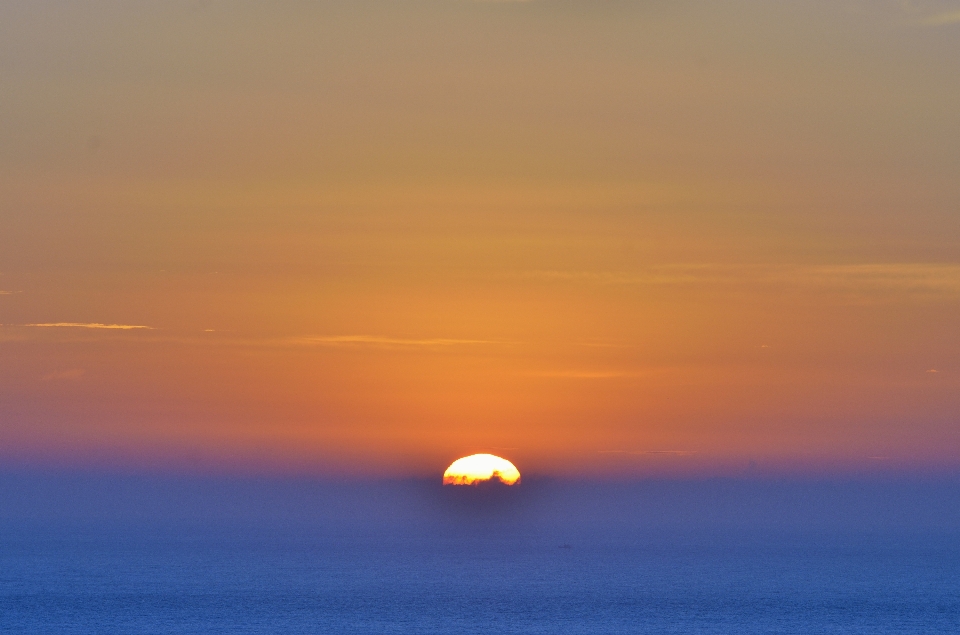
[(475, 468)]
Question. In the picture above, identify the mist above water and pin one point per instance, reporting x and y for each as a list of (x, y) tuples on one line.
[(558, 510)]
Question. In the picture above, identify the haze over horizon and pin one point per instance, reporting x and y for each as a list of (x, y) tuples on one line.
[(601, 239)]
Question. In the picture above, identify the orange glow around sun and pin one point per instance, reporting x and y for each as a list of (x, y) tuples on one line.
[(475, 468)]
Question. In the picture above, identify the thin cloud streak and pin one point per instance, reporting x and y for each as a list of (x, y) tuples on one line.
[(91, 325), (917, 277), (72, 374), (210, 338), (943, 19), (583, 374), (910, 277), (373, 340), (644, 452)]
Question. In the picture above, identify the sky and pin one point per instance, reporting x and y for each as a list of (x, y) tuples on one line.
[(603, 238)]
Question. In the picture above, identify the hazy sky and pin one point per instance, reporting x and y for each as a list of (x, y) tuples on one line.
[(370, 237)]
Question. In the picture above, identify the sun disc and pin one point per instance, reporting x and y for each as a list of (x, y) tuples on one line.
[(475, 468)]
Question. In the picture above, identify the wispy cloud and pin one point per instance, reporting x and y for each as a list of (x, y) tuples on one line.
[(375, 340), (938, 278), (911, 277), (643, 452), (2, 292), (582, 374), (666, 274), (942, 19), (91, 325), (68, 375)]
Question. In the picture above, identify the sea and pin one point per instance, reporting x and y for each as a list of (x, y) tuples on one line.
[(132, 554)]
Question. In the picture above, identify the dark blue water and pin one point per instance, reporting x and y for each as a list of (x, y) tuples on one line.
[(104, 557)]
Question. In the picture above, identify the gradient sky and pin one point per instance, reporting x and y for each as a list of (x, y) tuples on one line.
[(597, 238)]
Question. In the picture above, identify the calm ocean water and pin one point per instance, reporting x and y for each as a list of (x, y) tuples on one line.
[(141, 556)]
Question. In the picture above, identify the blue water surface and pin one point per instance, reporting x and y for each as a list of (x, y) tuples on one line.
[(396, 558)]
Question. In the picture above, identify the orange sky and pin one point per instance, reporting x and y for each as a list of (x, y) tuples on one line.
[(370, 237)]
